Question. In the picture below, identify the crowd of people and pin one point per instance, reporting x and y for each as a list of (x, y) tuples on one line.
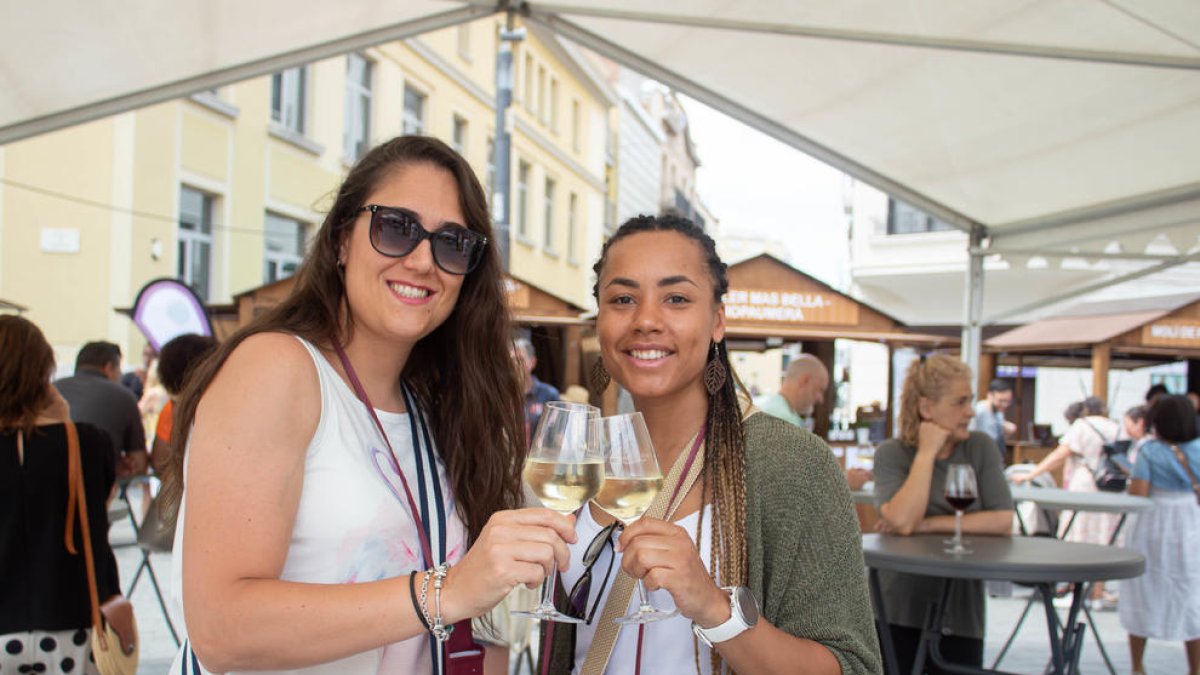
[(345, 471)]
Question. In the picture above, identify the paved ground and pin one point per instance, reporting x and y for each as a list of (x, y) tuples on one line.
[(1029, 653)]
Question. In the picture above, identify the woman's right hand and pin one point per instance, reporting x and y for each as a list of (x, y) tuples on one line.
[(931, 438), (522, 546)]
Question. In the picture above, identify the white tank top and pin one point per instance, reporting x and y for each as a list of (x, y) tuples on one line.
[(667, 647), (353, 523)]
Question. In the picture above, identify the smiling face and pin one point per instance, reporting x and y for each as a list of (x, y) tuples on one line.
[(398, 301), (952, 410), (658, 318)]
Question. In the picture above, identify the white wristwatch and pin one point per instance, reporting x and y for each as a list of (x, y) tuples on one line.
[(743, 614)]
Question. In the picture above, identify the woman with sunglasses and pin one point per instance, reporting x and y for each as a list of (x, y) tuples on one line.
[(761, 556), (330, 468)]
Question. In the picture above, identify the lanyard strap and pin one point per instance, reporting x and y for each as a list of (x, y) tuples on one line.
[(426, 549), (461, 654)]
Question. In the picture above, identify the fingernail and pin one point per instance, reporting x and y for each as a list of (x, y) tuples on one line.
[(618, 548)]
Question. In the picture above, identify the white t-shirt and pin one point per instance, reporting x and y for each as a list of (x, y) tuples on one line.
[(667, 647), (353, 523)]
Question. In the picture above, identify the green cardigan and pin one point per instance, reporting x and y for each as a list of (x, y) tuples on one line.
[(805, 551)]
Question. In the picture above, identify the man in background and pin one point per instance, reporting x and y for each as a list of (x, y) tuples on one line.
[(537, 393), (801, 389), (803, 386), (989, 414), (95, 396)]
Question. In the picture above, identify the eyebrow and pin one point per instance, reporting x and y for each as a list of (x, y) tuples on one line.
[(413, 214), (665, 281)]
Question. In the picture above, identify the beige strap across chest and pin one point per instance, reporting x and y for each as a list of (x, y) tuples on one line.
[(618, 597)]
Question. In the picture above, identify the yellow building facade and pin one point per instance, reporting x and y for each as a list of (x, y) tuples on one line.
[(223, 189)]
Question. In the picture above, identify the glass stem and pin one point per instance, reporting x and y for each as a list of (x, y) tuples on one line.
[(548, 591), (958, 527), (645, 598)]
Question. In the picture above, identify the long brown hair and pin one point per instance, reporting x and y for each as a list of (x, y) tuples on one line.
[(24, 373), (928, 377), (461, 373), (725, 439)]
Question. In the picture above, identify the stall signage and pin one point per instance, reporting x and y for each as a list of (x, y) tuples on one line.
[(1172, 333), (773, 306)]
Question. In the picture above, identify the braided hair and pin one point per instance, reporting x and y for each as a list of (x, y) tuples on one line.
[(724, 471)]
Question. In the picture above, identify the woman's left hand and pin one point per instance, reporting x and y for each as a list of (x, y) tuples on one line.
[(663, 555)]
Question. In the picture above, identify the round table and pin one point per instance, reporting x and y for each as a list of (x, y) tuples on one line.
[(1038, 561), (1102, 502)]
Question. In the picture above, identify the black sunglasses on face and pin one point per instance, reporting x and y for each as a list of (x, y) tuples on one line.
[(396, 232), (577, 599)]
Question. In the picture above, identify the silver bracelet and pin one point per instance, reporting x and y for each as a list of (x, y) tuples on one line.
[(425, 577), (439, 629)]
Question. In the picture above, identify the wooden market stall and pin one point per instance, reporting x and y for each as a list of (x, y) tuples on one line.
[(771, 303), (1121, 335)]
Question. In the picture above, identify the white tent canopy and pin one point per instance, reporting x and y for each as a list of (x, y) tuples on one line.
[(1054, 125), (1013, 115)]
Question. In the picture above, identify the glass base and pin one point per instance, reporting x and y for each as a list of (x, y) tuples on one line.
[(645, 614), (543, 613), (954, 548)]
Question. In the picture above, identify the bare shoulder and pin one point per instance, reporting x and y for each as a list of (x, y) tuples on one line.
[(269, 379)]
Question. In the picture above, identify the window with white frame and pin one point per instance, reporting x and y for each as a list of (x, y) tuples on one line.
[(194, 263), (414, 110), (458, 136), (906, 219), (527, 74), (357, 134), (522, 205), (548, 213), (289, 96), (553, 103), (489, 176), (463, 41), (572, 225), (576, 127), (541, 94), (283, 246)]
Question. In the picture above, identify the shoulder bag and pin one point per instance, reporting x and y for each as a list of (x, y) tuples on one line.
[(1109, 474), (1188, 469), (114, 628)]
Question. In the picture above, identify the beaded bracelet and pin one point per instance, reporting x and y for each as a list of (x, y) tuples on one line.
[(427, 619), (439, 629), (412, 595)]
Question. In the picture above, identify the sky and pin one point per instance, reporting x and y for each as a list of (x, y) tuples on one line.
[(757, 186)]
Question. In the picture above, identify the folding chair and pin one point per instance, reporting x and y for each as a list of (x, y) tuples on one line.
[(152, 537)]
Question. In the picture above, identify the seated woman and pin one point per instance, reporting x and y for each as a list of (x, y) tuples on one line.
[(910, 480), (761, 556)]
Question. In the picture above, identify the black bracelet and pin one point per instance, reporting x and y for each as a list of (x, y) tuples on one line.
[(412, 595)]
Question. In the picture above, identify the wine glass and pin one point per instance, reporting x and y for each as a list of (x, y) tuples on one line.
[(961, 492), (564, 469), (632, 480)]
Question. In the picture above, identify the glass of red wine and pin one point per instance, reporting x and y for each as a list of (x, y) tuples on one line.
[(961, 492)]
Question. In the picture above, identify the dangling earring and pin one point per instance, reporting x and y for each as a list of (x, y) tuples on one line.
[(715, 373), (600, 377)]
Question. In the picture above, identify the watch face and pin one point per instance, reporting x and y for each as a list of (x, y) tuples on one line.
[(746, 604)]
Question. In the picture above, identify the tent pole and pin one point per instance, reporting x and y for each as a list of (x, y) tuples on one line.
[(973, 303)]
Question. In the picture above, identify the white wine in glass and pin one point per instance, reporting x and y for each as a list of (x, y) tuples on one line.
[(632, 480), (564, 469)]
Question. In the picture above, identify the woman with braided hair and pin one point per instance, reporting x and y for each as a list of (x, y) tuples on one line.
[(760, 554)]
